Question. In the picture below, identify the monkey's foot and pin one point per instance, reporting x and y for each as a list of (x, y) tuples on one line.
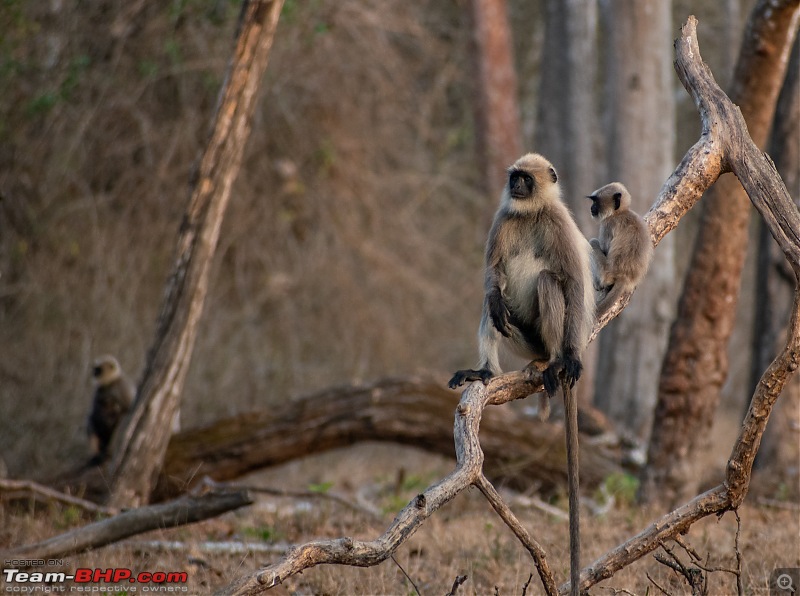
[(550, 378), (571, 368), (462, 376)]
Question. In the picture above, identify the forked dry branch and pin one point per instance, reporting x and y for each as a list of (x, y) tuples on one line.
[(724, 146)]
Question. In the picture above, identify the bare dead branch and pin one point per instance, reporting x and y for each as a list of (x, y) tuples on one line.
[(534, 548), (460, 579), (655, 583), (179, 512), (408, 577)]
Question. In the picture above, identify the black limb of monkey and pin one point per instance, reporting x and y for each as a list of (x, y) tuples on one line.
[(463, 376)]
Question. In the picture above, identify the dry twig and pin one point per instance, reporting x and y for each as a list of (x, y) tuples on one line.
[(460, 579)]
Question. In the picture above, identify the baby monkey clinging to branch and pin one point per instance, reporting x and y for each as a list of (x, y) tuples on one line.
[(622, 253)]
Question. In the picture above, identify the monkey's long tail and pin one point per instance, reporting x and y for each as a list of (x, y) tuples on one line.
[(571, 427)]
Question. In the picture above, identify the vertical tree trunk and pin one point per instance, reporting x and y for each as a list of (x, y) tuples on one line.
[(497, 109), (140, 449), (567, 123), (639, 148), (780, 450), (696, 364)]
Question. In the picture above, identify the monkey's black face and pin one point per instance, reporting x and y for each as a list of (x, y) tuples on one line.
[(595, 206), (520, 184), (97, 371)]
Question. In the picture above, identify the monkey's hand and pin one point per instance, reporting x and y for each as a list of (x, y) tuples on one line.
[(499, 313), (596, 245), (462, 376), (571, 368)]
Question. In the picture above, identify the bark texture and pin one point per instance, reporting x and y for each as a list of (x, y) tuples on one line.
[(140, 448), (639, 146), (696, 364)]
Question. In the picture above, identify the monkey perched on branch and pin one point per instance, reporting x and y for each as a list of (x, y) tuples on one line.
[(622, 253), (539, 299)]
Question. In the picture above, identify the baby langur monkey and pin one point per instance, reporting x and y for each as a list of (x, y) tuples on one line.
[(539, 300), (622, 253)]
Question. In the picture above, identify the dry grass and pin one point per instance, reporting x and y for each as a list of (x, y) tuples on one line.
[(465, 537)]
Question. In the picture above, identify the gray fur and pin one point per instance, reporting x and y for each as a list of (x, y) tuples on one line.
[(528, 239), (622, 253)]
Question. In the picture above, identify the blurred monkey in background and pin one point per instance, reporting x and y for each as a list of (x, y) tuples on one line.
[(113, 396)]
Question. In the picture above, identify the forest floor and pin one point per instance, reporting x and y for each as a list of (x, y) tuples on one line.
[(463, 538)]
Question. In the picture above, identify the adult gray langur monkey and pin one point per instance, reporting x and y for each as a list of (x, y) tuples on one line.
[(621, 255), (539, 300)]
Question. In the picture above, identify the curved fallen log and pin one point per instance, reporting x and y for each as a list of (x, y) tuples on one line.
[(520, 450)]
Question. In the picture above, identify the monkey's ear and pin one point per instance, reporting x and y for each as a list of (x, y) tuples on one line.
[(617, 200), (553, 175)]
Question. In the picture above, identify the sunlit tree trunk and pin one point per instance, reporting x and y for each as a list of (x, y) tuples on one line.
[(639, 144), (140, 449), (497, 107), (696, 364)]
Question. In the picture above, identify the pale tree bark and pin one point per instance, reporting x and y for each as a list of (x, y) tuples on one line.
[(139, 450), (696, 363), (639, 149), (780, 451), (723, 146), (497, 107), (567, 122)]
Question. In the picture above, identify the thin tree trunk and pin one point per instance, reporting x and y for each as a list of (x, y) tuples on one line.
[(696, 363), (497, 110), (567, 124), (140, 448), (640, 145)]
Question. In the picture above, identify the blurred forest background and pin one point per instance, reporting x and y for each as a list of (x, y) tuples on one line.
[(352, 248)]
